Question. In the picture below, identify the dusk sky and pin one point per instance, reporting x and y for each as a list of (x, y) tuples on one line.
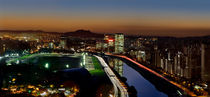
[(141, 17)]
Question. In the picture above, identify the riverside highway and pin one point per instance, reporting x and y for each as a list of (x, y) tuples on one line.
[(115, 81)]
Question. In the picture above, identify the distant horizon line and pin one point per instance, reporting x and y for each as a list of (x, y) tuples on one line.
[(139, 34)]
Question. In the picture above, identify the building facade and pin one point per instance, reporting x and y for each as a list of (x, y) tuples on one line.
[(119, 43)]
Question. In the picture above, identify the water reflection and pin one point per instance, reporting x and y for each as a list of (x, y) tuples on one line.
[(117, 65), (143, 87)]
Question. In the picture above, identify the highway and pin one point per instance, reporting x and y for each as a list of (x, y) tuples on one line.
[(115, 81)]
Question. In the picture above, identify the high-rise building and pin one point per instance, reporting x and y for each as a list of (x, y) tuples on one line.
[(193, 62), (108, 43), (63, 42), (119, 43), (205, 62)]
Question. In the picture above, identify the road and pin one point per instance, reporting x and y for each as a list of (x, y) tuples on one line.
[(115, 81)]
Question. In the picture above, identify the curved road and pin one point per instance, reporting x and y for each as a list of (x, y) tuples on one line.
[(115, 81)]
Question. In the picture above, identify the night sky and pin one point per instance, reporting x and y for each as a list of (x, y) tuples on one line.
[(141, 17)]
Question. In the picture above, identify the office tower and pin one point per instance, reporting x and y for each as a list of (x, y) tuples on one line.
[(119, 43), (205, 62)]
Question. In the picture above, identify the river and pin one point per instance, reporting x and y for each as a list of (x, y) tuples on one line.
[(146, 85)]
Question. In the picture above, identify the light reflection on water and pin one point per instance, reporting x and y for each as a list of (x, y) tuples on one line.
[(143, 87)]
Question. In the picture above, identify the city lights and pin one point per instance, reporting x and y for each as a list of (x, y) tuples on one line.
[(105, 48), (46, 65), (67, 65), (110, 40)]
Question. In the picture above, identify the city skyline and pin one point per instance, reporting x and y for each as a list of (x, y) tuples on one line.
[(135, 17), (104, 48)]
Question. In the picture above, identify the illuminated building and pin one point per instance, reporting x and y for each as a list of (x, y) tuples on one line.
[(119, 43), (4, 48), (63, 43), (141, 56), (51, 45), (205, 62), (108, 44), (111, 42), (99, 45)]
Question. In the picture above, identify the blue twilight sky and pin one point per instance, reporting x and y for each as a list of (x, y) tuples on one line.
[(162, 17)]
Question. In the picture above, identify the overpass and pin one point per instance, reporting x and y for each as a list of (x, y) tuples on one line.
[(115, 81)]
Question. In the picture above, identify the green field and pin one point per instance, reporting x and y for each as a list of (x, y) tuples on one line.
[(98, 69), (20, 58)]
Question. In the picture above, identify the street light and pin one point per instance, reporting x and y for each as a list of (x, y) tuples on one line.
[(67, 65), (83, 59), (47, 65)]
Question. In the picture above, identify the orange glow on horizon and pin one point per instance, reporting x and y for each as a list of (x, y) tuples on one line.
[(106, 24)]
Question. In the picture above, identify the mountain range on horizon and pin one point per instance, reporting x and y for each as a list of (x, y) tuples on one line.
[(81, 33)]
